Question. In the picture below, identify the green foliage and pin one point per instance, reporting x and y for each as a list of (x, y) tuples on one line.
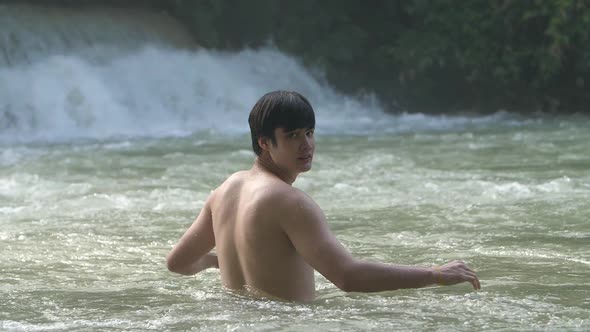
[(419, 55), (493, 54)]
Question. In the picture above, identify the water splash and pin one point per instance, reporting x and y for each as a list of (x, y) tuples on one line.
[(159, 92)]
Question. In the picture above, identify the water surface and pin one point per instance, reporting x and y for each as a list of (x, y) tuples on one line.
[(86, 226)]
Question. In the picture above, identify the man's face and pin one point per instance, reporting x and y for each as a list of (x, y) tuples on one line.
[(294, 149)]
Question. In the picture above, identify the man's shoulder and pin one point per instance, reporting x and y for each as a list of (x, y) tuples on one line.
[(276, 191), (227, 186), (231, 180), (267, 192), (279, 194), (292, 201)]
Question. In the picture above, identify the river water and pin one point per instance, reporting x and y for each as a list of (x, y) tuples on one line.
[(106, 160), (86, 227)]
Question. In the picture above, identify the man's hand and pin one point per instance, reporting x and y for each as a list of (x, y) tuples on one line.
[(205, 262), (455, 272)]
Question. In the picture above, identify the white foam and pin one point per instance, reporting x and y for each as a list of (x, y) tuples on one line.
[(164, 92)]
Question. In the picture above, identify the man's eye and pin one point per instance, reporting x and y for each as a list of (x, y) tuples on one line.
[(310, 133), (293, 135)]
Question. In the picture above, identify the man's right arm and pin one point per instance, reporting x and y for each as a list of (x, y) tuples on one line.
[(192, 253), (308, 230)]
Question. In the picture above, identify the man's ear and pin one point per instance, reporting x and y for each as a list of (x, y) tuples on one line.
[(263, 143)]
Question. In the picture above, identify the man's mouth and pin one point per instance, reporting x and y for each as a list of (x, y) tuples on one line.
[(305, 158)]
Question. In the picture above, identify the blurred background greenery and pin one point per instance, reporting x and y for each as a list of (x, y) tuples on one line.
[(428, 56)]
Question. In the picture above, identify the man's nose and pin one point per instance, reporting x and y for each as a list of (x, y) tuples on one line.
[(306, 144)]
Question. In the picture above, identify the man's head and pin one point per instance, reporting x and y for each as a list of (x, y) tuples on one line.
[(282, 125), (279, 109)]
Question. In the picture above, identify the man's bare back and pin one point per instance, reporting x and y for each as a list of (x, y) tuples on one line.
[(270, 237), (253, 250)]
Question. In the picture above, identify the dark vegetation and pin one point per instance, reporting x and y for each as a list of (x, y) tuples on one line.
[(416, 55)]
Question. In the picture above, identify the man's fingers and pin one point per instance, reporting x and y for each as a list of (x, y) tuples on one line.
[(460, 272), (472, 278), (475, 282)]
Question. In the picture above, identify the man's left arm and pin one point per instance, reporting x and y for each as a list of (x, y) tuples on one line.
[(192, 253)]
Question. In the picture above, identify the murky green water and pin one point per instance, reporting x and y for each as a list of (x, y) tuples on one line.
[(85, 228)]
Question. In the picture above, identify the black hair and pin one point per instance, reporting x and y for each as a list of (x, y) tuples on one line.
[(279, 109)]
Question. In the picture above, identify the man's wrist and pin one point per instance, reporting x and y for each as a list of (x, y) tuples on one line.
[(436, 275)]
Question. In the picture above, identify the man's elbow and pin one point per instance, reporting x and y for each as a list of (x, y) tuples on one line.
[(170, 265), (344, 285), (345, 280), (173, 265)]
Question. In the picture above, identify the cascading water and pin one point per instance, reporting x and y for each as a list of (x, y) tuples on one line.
[(140, 78)]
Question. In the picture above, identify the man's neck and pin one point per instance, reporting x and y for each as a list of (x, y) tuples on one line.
[(265, 163)]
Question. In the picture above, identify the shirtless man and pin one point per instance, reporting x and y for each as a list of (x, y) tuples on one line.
[(270, 236)]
